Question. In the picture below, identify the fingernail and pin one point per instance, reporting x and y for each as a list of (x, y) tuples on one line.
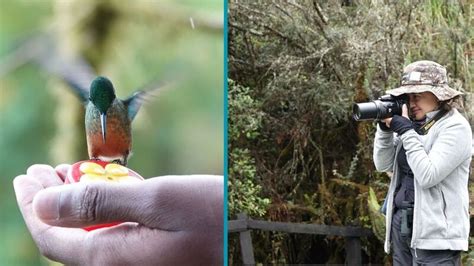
[(46, 204)]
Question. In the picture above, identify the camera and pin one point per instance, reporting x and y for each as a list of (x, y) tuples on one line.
[(384, 107)]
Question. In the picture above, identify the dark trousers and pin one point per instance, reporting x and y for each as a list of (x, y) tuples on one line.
[(403, 255)]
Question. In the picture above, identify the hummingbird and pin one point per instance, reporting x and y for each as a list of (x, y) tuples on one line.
[(107, 118), (108, 122)]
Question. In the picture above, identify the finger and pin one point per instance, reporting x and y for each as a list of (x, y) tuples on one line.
[(405, 111), (169, 203), (84, 204), (62, 170), (45, 174), (59, 244), (388, 121)]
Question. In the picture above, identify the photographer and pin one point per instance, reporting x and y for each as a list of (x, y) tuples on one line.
[(429, 153)]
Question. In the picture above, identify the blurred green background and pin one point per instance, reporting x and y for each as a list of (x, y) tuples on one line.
[(132, 43)]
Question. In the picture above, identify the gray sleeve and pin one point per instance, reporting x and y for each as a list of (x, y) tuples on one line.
[(450, 149), (384, 150)]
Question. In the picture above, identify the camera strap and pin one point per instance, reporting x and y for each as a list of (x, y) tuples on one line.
[(423, 130)]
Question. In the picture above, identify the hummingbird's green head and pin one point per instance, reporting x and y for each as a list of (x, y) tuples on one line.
[(102, 94)]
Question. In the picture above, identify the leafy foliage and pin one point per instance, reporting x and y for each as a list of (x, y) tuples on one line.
[(244, 122)]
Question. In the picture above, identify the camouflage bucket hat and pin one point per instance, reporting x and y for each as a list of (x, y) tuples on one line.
[(424, 76)]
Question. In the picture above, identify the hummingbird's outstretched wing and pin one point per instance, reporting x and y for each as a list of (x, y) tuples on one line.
[(23, 51), (134, 103), (75, 71), (42, 48), (149, 91)]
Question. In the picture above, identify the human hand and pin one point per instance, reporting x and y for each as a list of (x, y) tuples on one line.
[(400, 124), (170, 220), (388, 121)]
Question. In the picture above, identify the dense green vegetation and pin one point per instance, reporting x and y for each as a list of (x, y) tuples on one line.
[(132, 43), (295, 69)]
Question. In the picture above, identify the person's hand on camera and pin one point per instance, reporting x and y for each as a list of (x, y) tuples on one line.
[(171, 220), (399, 124)]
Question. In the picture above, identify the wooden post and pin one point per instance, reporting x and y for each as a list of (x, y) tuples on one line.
[(353, 251), (246, 247)]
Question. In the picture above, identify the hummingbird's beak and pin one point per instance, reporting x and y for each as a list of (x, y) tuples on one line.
[(103, 124)]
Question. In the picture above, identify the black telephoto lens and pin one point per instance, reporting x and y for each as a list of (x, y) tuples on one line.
[(386, 106), (365, 111)]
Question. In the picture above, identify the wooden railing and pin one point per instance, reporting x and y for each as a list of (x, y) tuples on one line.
[(243, 225)]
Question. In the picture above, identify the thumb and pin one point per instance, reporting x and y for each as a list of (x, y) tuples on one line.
[(80, 205), (405, 110)]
